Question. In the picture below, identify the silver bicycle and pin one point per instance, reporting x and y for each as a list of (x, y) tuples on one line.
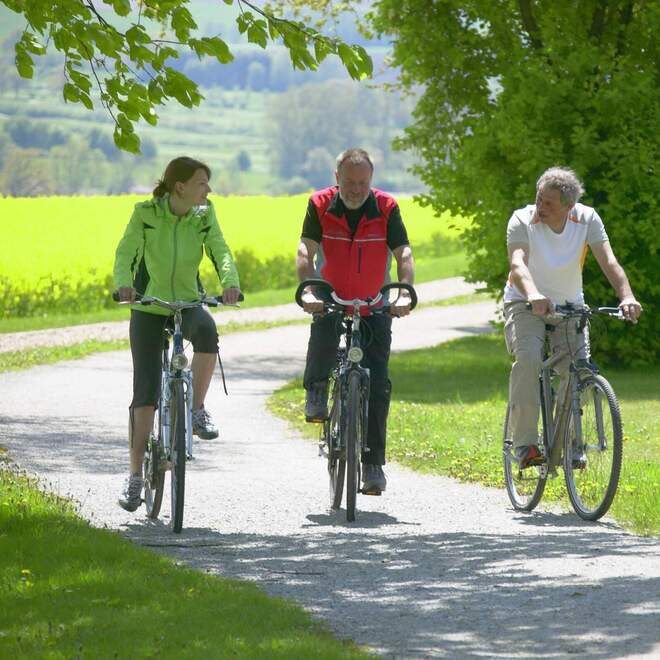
[(580, 431), (170, 444)]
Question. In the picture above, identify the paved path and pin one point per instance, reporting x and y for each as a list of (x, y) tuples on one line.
[(433, 568), (17, 341)]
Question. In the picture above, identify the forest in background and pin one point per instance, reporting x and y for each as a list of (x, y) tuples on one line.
[(264, 128)]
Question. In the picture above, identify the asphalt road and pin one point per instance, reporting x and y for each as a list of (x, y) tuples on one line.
[(433, 568)]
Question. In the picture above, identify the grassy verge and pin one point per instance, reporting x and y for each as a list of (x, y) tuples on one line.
[(427, 269), (447, 412), (31, 357), (69, 590)]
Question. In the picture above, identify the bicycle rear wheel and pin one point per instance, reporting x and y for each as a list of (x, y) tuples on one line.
[(354, 427), (178, 454), (154, 473), (336, 452), (593, 449), (524, 487)]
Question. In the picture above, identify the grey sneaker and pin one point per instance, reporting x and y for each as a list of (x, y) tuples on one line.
[(131, 495), (316, 402), (373, 478), (203, 425)]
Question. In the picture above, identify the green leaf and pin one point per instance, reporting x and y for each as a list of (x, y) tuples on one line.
[(121, 7), (24, 63), (86, 100), (182, 23), (127, 141), (257, 33), (71, 93)]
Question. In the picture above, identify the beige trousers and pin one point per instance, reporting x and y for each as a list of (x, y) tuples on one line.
[(524, 334)]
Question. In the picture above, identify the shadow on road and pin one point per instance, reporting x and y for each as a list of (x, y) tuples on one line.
[(368, 584)]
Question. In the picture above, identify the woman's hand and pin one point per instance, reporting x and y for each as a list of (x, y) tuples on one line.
[(230, 295), (126, 294)]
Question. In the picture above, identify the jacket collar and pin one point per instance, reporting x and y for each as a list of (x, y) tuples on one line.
[(163, 210), (370, 207)]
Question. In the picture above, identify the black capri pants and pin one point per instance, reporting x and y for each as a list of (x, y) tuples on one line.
[(146, 335)]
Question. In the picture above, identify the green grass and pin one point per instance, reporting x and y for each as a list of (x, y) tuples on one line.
[(447, 411), (68, 590), (426, 269)]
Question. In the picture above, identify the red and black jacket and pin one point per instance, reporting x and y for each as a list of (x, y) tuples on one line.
[(354, 263)]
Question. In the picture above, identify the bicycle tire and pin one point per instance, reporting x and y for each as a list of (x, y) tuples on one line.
[(592, 465), (178, 454), (354, 426), (332, 437), (524, 487), (154, 473)]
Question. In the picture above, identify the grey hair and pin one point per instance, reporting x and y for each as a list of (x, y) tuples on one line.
[(565, 181), (354, 157)]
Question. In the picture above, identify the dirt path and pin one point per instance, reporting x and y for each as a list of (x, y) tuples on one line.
[(433, 568)]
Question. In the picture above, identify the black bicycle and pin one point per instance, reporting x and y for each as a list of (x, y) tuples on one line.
[(344, 432), (580, 430), (170, 443)]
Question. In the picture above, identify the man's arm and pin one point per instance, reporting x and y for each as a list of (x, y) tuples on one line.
[(307, 249), (522, 279), (617, 278), (405, 268)]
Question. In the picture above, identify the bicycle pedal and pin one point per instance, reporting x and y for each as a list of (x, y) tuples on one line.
[(374, 491), (315, 420)]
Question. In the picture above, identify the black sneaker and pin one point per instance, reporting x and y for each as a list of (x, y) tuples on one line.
[(373, 478), (316, 402), (203, 425)]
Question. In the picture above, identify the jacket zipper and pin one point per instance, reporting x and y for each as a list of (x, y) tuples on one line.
[(176, 226), (359, 259)]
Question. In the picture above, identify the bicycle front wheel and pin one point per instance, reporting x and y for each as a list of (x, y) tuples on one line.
[(154, 473), (524, 487), (178, 454), (354, 429), (593, 449), (336, 452)]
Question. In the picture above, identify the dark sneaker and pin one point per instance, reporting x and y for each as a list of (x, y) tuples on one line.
[(529, 455), (373, 478), (316, 402), (131, 495), (203, 425)]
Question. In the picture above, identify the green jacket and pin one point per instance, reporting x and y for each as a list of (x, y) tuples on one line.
[(160, 253)]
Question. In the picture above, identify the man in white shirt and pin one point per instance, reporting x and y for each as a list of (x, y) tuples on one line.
[(547, 244)]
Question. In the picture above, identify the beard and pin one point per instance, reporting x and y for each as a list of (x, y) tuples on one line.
[(353, 205)]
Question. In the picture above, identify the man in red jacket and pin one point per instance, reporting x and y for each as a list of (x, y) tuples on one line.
[(351, 230)]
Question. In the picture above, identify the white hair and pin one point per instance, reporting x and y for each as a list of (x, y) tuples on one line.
[(354, 157), (565, 181)]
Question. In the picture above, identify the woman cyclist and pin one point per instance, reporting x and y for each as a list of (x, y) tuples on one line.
[(159, 255)]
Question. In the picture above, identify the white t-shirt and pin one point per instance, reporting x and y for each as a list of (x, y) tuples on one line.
[(555, 260)]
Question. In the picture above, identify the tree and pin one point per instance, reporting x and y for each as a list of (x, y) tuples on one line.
[(26, 174), (511, 87), (118, 49)]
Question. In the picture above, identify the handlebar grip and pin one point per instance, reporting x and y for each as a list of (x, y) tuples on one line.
[(220, 301), (311, 282), (406, 287)]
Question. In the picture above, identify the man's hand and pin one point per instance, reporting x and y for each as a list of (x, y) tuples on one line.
[(230, 295), (311, 304), (401, 306), (541, 306), (126, 294), (631, 309)]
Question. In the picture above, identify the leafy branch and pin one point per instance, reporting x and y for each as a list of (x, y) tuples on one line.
[(120, 61)]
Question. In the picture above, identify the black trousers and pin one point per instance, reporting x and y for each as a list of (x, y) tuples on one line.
[(146, 333), (376, 334)]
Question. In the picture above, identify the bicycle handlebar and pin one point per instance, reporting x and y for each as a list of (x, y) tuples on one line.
[(570, 310), (371, 303), (211, 301)]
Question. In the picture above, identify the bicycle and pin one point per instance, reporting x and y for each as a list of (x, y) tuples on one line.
[(586, 418), (344, 432), (170, 444)]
